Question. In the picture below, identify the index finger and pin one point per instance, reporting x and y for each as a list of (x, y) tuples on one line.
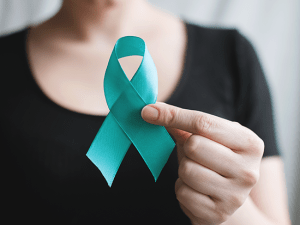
[(230, 134)]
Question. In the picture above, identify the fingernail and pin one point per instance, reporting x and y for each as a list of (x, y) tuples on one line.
[(150, 113)]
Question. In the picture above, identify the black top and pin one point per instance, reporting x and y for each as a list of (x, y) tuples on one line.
[(47, 177)]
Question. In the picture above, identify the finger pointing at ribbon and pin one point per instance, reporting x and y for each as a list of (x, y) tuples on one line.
[(228, 133)]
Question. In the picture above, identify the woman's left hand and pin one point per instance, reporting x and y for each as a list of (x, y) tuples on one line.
[(219, 161)]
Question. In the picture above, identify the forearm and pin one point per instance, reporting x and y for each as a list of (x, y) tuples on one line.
[(249, 214)]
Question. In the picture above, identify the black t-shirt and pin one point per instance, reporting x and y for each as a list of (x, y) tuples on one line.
[(47, 177)]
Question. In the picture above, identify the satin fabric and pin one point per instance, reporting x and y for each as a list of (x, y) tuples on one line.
[(124, 124)]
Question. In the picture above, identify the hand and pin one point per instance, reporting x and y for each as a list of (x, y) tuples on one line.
[(219, 161)]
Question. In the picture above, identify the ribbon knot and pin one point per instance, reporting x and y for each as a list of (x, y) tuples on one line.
[(124, 124)]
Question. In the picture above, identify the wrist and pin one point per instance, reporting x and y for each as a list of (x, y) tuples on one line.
[(250, 214)]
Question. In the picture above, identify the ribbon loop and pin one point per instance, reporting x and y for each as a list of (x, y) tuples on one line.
[(124, 124)]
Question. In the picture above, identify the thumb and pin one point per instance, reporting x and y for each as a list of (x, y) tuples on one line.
[(151, 114)]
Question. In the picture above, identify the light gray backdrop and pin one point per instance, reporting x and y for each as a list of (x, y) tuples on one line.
[(273, 26)]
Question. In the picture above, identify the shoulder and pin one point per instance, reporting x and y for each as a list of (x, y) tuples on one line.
[(219, 42), (12, 43), (226, 60), (13, 58), (225, 48), (12, 38), (12, 50), (211, 34), (218, 53)]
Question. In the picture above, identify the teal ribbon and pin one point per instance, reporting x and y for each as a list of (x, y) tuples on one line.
[(124, 124)]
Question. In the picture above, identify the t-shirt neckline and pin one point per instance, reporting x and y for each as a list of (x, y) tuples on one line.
[(179, 87)]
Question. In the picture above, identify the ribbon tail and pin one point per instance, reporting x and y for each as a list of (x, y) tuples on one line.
[(109, 148), (153, 142), (155, 151)]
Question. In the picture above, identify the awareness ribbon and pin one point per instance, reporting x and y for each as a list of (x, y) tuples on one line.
[(124, 124)]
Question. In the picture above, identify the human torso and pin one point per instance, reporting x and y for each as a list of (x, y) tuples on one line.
[(45, 145)]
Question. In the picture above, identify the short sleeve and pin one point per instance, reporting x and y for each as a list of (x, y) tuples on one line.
[(254, 103)]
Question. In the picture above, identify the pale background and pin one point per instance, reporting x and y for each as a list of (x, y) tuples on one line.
[(273, 27)]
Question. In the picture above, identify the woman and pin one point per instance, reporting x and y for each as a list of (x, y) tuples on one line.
[(227, 168)]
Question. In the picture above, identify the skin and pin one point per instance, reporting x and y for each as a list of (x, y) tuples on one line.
[(68, 55), (227, 156)]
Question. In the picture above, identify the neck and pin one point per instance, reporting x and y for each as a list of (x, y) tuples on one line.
[(87, 20)]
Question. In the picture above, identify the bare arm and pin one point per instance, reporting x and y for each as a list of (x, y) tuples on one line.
[(267, 203)]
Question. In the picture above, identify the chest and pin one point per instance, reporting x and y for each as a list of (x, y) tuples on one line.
[(73, 77)]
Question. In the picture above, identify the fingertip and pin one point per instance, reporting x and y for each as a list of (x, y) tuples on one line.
[(178, 184), (149, 113)]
